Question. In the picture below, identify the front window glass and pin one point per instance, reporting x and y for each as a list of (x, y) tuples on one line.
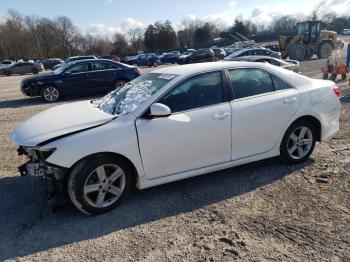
[(80, 68), (199, 91), (131, 95)]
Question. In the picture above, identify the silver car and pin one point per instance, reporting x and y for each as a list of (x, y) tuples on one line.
[(292, 65), (256, 51), (22, 68)]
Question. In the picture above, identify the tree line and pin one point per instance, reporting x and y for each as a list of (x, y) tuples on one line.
[(34, 37)]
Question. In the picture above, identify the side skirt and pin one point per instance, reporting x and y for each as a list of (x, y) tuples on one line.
[(143, 182)]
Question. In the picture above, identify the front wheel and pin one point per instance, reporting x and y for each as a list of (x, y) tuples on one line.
[(325, 76), (298, 142), (99, 184), (50, 94)]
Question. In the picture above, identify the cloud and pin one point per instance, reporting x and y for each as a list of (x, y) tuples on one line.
[(2, 19), (232, 4), (107, 2), (340, 7), (105, 30)]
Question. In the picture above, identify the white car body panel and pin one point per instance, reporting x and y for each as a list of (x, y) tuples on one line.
[(165, 142), (57, 121), (117, 136), (189, 143), (259, 121)]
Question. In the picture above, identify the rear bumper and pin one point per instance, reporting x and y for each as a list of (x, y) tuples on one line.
[(330, 124)]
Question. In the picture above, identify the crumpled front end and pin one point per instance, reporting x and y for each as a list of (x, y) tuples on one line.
[(37, 166)]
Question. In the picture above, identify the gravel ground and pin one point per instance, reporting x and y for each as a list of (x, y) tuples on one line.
[(257, 212)]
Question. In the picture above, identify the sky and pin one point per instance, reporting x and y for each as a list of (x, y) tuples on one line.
[(105, 17)]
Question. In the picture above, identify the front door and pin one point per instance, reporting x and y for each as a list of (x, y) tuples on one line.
[(196, 135)]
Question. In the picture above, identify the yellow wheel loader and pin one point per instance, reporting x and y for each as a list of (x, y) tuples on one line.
[(311, 40)]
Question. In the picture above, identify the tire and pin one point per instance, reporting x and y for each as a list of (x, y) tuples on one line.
[(325, 76), (119, 83), (294, 148), (297, 52), (50, 94), (35, 71), (86, 185), (333, 77), (343, 76), (7, 73), (324, 50)]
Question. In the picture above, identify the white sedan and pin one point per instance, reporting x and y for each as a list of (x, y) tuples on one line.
[(176, 123)]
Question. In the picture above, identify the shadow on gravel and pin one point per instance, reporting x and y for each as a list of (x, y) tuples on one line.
[(27, 227), (21, 102), (33, 101)]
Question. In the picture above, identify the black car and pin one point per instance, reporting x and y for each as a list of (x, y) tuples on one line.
[(50, 63), (84, 77), (185, 57), (220, 53), (202, 55)]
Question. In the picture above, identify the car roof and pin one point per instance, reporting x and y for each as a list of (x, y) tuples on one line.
[(256, 57), (190, 69), (200, 67)]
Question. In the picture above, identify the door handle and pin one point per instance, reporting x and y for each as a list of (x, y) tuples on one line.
[(289, 101), (221, 116)]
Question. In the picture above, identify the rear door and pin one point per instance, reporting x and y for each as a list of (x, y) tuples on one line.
[(102, 76), (75, 79), (262, 108)]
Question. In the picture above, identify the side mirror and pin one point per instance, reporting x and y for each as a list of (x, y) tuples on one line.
[(160, 110)]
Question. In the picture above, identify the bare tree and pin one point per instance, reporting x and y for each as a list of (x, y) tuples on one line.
[(321, 12), (136, 38)]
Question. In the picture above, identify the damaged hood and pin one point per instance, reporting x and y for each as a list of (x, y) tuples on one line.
[(58, 121)]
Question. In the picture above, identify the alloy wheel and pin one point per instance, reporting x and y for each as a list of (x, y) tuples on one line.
[(51, 94), (104, 185), (300, 142)]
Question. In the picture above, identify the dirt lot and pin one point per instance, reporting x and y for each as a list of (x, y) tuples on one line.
[(257, 212)]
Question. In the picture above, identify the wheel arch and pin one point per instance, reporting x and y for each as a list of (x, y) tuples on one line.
[(135, 174), (312, 119)]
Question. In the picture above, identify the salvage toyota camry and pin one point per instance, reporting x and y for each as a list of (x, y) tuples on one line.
[(176, 123)]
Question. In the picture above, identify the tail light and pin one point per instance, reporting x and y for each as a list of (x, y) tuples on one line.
[(336, 90)]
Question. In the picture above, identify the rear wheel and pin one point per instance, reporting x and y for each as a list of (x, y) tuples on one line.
[(298, 142), (325, 76), (35, 71), (297, 52), (99, 184), (50, 94), (324, 50)]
